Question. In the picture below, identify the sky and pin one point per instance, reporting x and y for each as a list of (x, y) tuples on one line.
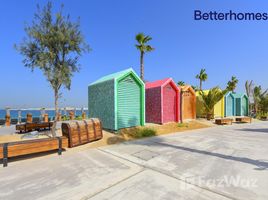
[(182, 45)]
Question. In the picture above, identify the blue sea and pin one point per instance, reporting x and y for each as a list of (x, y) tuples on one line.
[(36, 113)]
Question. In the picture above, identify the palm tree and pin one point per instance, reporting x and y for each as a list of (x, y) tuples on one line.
[(202, 76), (210, 99), (258, 95), (143, 47), (231, 85), (181, 83)]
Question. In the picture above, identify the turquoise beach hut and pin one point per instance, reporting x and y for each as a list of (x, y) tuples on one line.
[(118, 100), (241, 104), (229, 101)]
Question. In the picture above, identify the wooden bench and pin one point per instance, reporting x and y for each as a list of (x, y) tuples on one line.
[(26, 147), (224, 121), (33, 126), (243, 119)]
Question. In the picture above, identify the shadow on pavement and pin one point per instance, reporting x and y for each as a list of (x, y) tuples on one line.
[(261, 165), (260, 130)]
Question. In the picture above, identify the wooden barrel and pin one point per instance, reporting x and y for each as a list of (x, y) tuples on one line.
[(82, 132)]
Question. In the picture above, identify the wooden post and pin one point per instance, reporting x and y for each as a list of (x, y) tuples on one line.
[(45, 117), (29, 118), (71, 114), (59, 117), (8, 120), (84, 116)]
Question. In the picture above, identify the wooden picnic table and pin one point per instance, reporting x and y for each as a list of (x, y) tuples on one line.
[(25, 127), (224, 121), (244, 119)]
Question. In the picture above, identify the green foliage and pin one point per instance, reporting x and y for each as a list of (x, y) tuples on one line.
[(202, 76), (181, 125), (195, 88), (53, 44), (145, 132), (210, 99), (262, 115), (65, 118), (260, 100), (142, 43), (143, 47), (78, 118), (231, 85), (181, 83), (139, 132)]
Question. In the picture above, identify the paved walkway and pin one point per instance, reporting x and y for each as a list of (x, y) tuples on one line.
[(229, 162)]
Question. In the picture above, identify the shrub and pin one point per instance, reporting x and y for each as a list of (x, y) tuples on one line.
[(138, 132), (78, 118), (181, 125)]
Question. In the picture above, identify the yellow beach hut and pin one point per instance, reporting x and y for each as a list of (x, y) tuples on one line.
[(218, 108)]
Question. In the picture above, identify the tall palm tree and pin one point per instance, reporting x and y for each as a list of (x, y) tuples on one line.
[(202, 76), (143, 47), (210, 99), (231, 85)]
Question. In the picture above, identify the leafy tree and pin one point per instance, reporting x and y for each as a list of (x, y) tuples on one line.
[(181, 83), (210, 99), (231, 85), (202, 76), (53, 44), (143, 47)]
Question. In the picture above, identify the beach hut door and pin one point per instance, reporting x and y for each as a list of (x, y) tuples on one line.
[(129, 103)]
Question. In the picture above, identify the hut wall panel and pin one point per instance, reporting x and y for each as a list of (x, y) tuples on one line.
[(101, 103), (245, 106), (230, 107), (153, 105), (188, 105), (169, 104), (129, 103)]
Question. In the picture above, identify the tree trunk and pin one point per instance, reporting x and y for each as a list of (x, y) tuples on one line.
[(56, 96), (200, 85), (142, 66)]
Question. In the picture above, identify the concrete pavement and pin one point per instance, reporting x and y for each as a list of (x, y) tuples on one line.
[(229, 162)]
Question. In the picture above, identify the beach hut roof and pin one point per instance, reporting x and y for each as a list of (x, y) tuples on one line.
[(186, 88), (239, 95), (230, 93), (114, 76), (161, 83)]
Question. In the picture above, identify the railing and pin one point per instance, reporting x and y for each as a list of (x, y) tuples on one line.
[(40, 115)]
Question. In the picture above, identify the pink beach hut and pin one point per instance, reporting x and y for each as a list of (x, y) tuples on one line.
[(162, 101)]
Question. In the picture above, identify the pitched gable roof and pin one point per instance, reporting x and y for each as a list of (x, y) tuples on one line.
[(113, 76)]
